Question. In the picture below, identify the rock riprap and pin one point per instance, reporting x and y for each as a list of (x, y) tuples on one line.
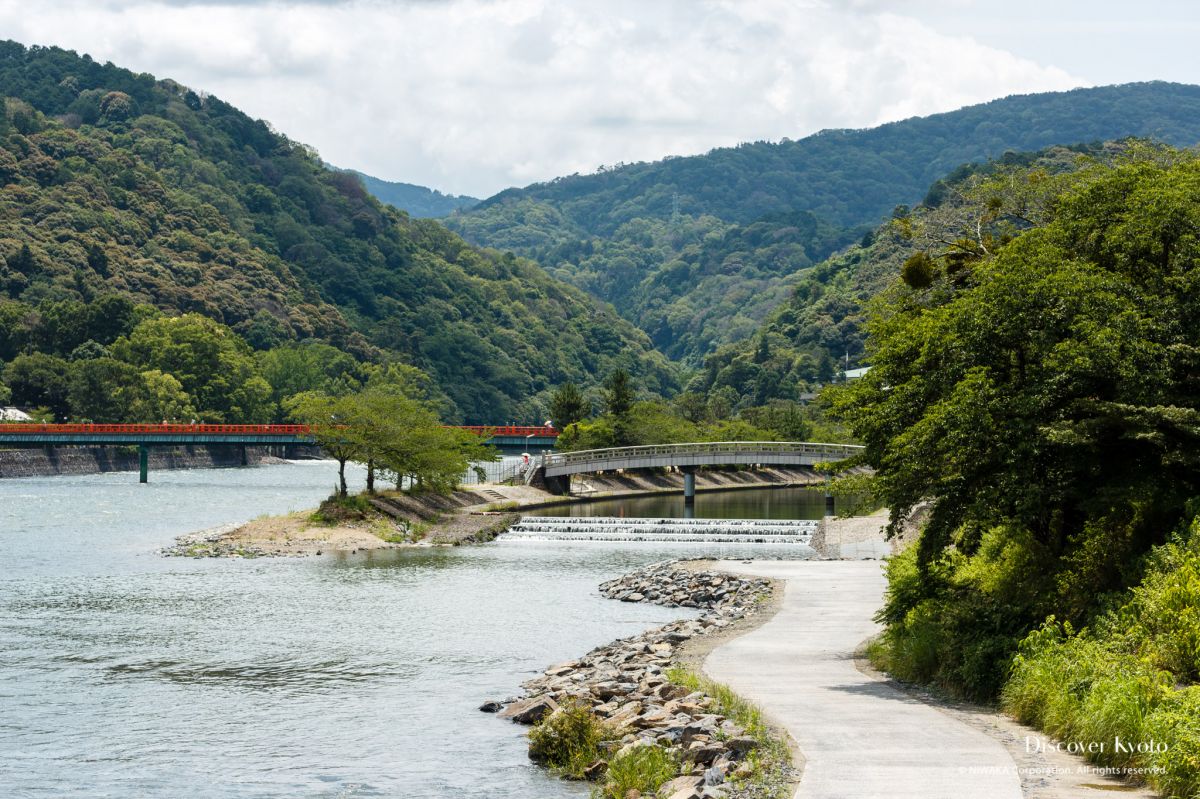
[(669, 584), (627, 687)]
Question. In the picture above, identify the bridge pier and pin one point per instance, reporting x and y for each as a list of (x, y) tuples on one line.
[(245, 461), (559, 486), (689, 486), (143, 463)]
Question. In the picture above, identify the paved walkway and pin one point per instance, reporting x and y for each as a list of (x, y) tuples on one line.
[(860, 738)]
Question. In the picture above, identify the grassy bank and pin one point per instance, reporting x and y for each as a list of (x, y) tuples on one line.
[(1129, 681), (1122, 691), (572, 740), (768, 775)]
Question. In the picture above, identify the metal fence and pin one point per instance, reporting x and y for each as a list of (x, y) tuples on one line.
[(494, 471)]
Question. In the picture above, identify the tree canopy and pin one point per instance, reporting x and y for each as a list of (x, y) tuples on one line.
[(114, 183), (1039, 393)]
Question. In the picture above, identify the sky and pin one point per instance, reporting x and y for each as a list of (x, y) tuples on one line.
[(473, 96)]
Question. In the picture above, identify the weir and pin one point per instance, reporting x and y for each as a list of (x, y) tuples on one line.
[(663, 530)]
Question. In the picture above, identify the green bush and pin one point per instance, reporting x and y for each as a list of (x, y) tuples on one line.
[(1078, 690), (569, 740), (337, 510), (1167, 609), (642, 769), (1121, 677), (1176, 722), (958, 622)]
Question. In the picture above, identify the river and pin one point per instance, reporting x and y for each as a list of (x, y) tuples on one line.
[(126, 674)]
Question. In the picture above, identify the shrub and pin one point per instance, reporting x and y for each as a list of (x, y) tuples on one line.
[(642, 769), (1119, 678), (1166, 607), (1176, 722), (337, 510), (569, 740), (957, 621)]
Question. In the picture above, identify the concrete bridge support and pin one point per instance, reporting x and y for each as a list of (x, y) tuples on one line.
[(143, 463), (559, 485), (689, 485)]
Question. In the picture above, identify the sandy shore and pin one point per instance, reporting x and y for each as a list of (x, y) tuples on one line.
[(278, 536), (394, 522)]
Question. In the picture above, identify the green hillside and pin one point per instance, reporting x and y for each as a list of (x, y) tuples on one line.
[(670, 243), (416, 201), (113, 183), (820, 328)]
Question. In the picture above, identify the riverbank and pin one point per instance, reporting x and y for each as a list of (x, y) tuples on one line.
[(362, 523), (644, 704), (788, 636), (391, 520)]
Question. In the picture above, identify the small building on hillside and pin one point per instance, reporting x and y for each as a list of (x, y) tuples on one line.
[(854, 374)]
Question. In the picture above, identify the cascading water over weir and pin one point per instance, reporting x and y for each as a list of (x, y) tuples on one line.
[(663, 530)]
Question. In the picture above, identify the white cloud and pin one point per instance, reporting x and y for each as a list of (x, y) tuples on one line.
[(474, 95)]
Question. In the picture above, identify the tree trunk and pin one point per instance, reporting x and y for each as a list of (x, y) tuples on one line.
[(341, 477), (370, 476)]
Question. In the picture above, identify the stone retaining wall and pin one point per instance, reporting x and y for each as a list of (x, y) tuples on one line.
[(49, 461)]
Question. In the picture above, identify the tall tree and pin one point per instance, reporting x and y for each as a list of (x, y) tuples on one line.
[(618, 393), (332, 420), (39, 380), (568, 405)]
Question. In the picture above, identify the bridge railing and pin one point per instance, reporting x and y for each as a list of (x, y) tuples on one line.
[(830, 452), (170, 428), (511, 430), (28, 428)]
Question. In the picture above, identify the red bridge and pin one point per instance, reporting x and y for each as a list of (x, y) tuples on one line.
[(157, 435)]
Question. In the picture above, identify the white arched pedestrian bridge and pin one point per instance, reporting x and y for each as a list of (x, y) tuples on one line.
[(555, 469)]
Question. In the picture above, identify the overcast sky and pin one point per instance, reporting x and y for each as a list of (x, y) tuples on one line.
[(471, 96)]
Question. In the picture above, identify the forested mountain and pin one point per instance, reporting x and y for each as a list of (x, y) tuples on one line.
[(417, 201), (696, 250), (118, 184), (820, 329)]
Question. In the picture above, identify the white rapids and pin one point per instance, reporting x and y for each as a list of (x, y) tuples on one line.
[(708, 531)]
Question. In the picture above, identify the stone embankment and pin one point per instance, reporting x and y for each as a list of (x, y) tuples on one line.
[(51, 461), (628, 685)]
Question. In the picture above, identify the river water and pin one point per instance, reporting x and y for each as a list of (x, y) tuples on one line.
[(126, 674)]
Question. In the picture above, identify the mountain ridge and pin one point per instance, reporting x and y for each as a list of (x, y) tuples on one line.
[(648, 237), (116, 182)]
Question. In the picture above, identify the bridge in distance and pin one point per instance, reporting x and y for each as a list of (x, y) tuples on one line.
[(554, 470), (144, 436)]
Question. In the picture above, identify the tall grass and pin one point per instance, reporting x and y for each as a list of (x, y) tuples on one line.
[(1125, 679), (570, 739), (643, 769), (770, 760)]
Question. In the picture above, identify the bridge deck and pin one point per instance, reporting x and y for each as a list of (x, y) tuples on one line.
[(717, 453), (38, 435)]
